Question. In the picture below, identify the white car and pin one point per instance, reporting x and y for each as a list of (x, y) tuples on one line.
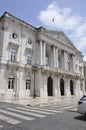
[(82, 106)]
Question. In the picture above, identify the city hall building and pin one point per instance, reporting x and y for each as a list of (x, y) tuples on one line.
[(36, 62)]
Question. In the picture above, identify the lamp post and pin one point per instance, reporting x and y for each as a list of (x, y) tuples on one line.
[(34, 68)]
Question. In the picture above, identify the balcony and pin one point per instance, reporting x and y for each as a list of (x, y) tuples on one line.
[(28, 66), (29, 46), (62, 71), (14, 42), (50, 69), (13, 63)]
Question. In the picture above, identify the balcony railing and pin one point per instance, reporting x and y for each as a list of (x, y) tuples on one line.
[(28, 46), (13, 63), (14, 42), (28, 66)]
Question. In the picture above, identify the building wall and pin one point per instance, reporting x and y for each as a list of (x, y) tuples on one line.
[(54, 61)]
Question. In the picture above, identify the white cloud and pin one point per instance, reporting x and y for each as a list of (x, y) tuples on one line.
[(64, 19)]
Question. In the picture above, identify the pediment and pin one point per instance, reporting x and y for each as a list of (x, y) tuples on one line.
[(59, 36)]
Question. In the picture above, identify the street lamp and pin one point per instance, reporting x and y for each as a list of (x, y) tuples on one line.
[(34, 68)]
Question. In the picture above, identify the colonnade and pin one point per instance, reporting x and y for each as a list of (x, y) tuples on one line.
[(55, 57)]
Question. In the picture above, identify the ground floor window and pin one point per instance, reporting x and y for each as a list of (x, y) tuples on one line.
[(28, 83), (11, 82)]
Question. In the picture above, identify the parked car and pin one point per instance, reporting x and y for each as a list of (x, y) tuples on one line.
[(82, 106)]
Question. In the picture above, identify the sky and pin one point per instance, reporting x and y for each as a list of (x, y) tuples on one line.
[(68, 16)]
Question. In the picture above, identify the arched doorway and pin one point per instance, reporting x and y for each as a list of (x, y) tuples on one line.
[(71, 87), (50, 86), (62, 87)]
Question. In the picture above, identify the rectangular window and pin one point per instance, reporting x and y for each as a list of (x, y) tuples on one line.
[(29, 59), (11, 84), (80, 70), (28, 84), (13, 54)]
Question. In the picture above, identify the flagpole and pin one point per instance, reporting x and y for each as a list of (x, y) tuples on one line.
[(53, 23)]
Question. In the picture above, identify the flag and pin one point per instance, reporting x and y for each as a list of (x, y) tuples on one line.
[(53, 19)]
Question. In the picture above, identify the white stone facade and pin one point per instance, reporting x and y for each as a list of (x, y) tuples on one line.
[(37, 62)]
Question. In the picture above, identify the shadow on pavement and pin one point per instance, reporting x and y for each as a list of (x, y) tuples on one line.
[(82, 118)]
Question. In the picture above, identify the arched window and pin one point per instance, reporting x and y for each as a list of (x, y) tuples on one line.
[(28, 83), (11, 82)]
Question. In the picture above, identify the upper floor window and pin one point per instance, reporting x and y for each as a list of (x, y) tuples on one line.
[(13, 54), (28, 83), (29, 41), (29, 59), (14, 35), (11, 82), (80, 70)]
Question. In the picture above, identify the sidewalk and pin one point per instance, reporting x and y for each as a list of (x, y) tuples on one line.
[(44, 101)]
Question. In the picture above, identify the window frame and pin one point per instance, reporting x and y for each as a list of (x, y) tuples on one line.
[(11, 82), (28, 83)]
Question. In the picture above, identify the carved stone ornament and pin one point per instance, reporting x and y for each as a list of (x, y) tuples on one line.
[(4, 28), (60, 36), (22, 35), (30, 41)]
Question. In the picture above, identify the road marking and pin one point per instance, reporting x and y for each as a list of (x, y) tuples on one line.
[(62, 105), (9, 120), (66, 107), (37, 111), (17, 115), (58, 103), (1, 126), (72, 109), (28, 113), (44, 109)]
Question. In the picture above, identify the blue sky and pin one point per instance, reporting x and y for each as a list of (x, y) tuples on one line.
[(69, 16)]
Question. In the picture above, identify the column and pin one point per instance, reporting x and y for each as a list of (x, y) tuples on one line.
[(73, 63), (45, 85), (76, 87), (44, 54), (65, 60), (67, 87), (41, 60), (20, 83), (58, 87), (54, 86), (83, 85), (19, 54), (39, 84), (57, 58), (54, 58)]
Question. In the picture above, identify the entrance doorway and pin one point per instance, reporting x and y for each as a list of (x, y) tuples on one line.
[(50, 86), (62, 87), (71, 87)]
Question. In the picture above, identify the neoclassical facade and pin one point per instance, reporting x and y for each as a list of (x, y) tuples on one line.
[(36, 62), (85, 73)]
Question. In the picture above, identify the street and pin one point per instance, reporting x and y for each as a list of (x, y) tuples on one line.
[(54, 116)]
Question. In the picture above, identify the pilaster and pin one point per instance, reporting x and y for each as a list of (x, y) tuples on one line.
[(41, 59), (54, 57), (73, 63), (58, 87), (44, 48), (57, 64)]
